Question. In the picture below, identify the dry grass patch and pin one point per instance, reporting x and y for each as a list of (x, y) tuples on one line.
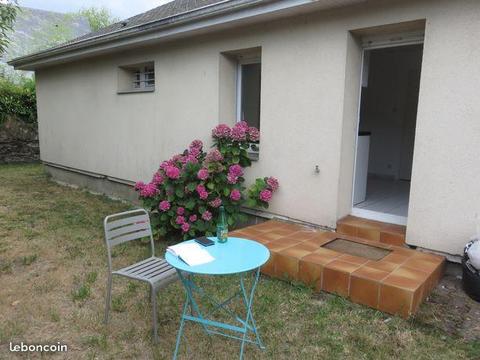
[(53, 273)]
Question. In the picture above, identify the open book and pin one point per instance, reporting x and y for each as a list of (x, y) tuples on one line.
[(190, 253)]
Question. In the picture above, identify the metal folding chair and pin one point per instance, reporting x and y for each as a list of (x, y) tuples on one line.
[(128, 226)]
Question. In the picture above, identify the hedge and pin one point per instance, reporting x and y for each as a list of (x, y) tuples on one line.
[(18, 100)]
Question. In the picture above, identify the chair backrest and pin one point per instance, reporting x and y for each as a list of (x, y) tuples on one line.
[(126, 226)]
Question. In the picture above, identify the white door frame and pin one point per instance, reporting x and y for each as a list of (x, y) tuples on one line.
[(370, 43)]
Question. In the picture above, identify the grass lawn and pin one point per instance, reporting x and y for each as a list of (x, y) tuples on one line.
[(52, 288)]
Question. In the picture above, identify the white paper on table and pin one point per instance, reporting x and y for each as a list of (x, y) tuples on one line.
[(190, 253)]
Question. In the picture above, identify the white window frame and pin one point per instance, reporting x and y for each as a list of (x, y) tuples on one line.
[(256, 60), (254, 148), (143, 78)]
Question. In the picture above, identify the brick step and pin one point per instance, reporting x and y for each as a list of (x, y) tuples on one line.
[(397, 283), (385, 233)]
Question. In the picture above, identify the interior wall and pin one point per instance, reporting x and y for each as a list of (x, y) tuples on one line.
[(386, 108)]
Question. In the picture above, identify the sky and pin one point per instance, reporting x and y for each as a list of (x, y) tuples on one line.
[(121, 9)]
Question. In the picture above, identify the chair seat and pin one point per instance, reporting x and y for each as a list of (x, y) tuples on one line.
[(152, 270)]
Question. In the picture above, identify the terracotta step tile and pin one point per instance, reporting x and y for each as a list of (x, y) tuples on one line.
[(286, 267), (327, 252), (368, 233), (351, 220), (269, 267), (347, 229), (402, 250), (303, 235), (400, 295), (421, 264), (418, 276), (365, 285), (357, 260), (310, 273), (322, 238), (320, 257), (281, 244), (437, 259), (269, 236), (395, 258), (394, 229), (434, 279), (298, 251), (336, 277), (392, 239), (282, 232), (382, 265), (267, 226)]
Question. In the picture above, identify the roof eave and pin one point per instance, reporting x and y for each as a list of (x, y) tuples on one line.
[(189, 22)]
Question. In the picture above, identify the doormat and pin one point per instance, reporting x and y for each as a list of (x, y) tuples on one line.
[(357, 249)]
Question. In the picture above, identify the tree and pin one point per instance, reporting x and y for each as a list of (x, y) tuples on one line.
[(98, 17), (8, 12)]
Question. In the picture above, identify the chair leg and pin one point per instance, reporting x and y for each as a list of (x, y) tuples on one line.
[(108, 298), (154, 314)]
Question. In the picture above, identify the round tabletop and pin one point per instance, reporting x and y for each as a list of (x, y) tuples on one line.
[(235, 256)]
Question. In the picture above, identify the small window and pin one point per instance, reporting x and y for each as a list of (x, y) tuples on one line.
[(248, 95), (136, 78)]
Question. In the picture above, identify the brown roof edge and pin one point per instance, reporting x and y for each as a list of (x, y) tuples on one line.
[(100, 42)]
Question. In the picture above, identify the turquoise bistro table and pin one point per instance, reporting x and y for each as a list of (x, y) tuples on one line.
[(236, 256)]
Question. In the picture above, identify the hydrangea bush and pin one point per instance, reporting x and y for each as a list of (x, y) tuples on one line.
[(186, 192)]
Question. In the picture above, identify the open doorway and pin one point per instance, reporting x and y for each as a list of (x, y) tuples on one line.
[(387, 120)]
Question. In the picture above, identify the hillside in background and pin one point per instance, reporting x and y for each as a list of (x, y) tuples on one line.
[(37, 30)]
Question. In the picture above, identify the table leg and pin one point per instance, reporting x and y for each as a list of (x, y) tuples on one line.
[(248, 303), (180, 330), (246, 325)]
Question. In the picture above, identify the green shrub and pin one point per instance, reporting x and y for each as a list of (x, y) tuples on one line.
[(185, 194), (18, 100)]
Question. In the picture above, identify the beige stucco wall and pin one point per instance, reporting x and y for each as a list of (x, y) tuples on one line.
[(308, 112)]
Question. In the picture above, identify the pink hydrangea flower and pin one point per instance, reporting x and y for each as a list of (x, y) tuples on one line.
[(253, 133), (192, 218), (235, 170), (175, 158), (213, 156), (166, 163), (200, 188), (190, 159), (185, 227), (207, 215), (195, 146), (239, 133), (216, 202), (235, 195), (180, 210), (232, 179), (265, 195), (195, 152), (180, 220), (221, 131), (139, 185), (203, 195), (172, 172), (149, 190), (202, 174), (157, 178), (164, 205), (272, 183), (243, 124)]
